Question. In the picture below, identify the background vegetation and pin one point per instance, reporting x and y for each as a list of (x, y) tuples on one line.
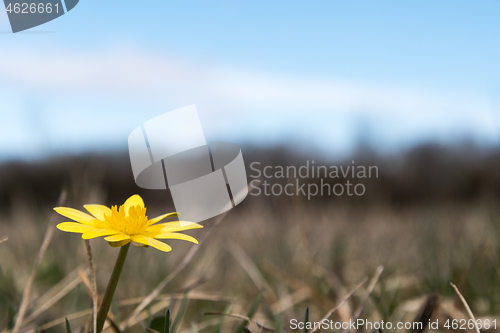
[(431, 218)]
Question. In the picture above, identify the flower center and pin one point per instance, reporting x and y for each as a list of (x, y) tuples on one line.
[(133, 224)]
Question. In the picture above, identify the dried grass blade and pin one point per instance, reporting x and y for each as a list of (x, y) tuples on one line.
[(464, 302), (43, 248), (253, 272), (367, 293), (329, 313), (49, 294), (62, 320), (53, 300), (208, 323), (234, 315), (251, 312), (290, 300)]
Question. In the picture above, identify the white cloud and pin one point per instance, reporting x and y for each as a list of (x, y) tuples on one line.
[(244, 95), (145, 76)]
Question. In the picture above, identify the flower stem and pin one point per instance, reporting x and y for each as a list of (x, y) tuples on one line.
[(110, 290)]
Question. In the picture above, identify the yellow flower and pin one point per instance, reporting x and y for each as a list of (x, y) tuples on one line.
[(126, 224)]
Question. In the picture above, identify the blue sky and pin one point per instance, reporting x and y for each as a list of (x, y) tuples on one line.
[(321, 74)]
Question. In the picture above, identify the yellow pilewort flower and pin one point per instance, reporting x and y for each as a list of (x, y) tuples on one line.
[(125, 224)]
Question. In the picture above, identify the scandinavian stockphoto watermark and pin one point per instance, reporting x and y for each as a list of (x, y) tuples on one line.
[(170, 151), (26, 14), (327, 324), (310, 179), (367, 325), (208, 179)]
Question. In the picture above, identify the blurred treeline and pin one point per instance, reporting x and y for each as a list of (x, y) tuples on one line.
[(423, 175)]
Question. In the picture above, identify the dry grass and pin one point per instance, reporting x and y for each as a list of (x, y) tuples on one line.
[(303, 256)]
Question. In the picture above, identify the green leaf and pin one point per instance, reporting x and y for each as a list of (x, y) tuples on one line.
[(180, 314), (218, 327), (68, 327), (10, 318), (276, 320), (166, 325), (251, 312), (161, 324), (150, 317), (158, 324), (194, 328)]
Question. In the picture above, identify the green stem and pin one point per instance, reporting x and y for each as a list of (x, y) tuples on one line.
[(110, 290)]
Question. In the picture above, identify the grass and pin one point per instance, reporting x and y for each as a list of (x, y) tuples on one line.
[(257, 268)]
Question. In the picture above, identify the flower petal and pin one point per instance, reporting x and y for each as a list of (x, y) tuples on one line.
[(140, 245), (75, 215), (93, 233), (74, 227), (118, 244), (173, 235), (98, 211), (151, 242), (133, 201), (117, 238), (173, 226), (161, 217)]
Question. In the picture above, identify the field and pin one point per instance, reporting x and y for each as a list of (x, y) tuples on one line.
[(391, 255)]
